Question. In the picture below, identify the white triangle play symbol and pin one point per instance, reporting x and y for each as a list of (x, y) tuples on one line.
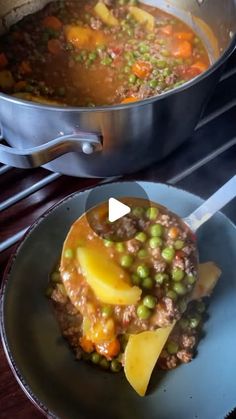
[(116, 209)]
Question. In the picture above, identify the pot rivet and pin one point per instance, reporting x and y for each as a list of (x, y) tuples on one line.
[(87, 148)]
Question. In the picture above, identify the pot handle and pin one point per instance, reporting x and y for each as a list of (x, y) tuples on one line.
[(38, 156)]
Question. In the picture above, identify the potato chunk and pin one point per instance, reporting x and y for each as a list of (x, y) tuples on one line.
[(209, 274), (143, 17), (141, 354), (105, 15), (108, 280), (84, 37)]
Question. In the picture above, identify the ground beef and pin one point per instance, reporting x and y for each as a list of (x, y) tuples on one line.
[(58, 296), (167, 361), (188, 342), (95, 23), (164, 314), (185, 356), (133, 245), (145, 91)]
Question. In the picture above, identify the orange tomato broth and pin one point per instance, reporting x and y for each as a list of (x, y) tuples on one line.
[(74, 63)]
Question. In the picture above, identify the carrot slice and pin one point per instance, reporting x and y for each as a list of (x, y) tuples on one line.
[(184, 36), (182, 49), (52, 22), (54, 46), (129, 99), (3, 60), (141, 69), (25, 67), (86, 344)]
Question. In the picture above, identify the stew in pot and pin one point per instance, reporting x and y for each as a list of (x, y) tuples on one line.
[(91, 53)]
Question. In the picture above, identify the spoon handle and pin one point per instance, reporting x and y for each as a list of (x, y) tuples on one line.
[(213, 204)]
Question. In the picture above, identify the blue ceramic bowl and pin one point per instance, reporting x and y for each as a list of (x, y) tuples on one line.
[(62, 387)]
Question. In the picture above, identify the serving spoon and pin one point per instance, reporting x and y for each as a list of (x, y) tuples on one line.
[(213, 204)]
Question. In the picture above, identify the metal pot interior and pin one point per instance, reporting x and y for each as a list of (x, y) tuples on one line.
[(213, 21)]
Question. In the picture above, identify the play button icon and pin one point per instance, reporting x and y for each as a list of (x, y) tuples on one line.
[(111, 210), (116, 210)]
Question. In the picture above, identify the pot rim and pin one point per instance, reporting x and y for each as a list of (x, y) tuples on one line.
[(138, 103)]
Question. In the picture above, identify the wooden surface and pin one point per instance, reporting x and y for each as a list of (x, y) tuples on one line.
[(201, 166)]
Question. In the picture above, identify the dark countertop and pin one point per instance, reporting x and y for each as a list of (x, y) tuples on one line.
[(201, 166)]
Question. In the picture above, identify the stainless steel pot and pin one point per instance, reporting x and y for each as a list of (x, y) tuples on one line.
[(113, 140)]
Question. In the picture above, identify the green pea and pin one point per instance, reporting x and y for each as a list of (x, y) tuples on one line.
[(156, 230), (155, 242), (130, 32), (138, 212), (136, 54), (194, 321), (146, 57), (143, 271), (142, 237), (108, 243), (92, 55), (172, 294), (179, 288), (130, 62), (147, 283), (149, 301), (55, 277), (152, 213), (132, 79), (153, 83), (115, 365), (161, 277), (143, 312), (106, 61), (120, 247), (161, 64), (95, 358), (106, 311), (191, 279), (183, 324), (101, 48), (172, 347), (151, 36), (183, 306), (168, 254), (143, 253), (136, 280), (49, 292), (68, 254), (201, 307), (143, 48), (104, 363), (126, 69), (126, 261), (178, 244), (165, 53), (177, 274), (128, 55)]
